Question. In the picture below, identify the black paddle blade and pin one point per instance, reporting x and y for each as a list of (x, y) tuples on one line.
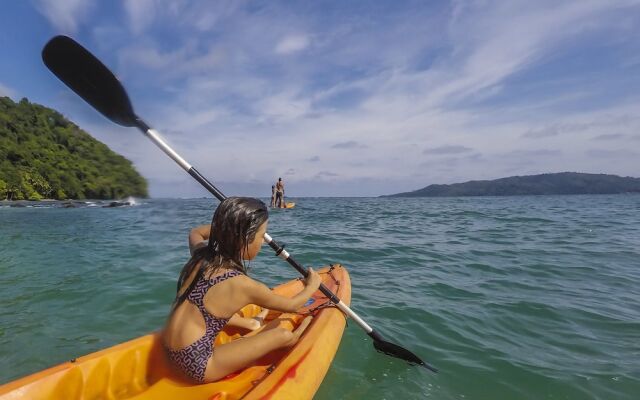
[(396, 351), (89, 78)]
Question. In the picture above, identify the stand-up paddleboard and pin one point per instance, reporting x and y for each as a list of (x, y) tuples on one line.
[(289, 204), (138, 369)]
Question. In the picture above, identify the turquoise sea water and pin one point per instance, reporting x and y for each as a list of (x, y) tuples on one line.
[(510, 297)]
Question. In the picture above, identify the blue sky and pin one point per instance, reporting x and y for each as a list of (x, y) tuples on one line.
[(358, 98)]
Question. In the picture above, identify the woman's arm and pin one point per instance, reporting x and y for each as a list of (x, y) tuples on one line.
[(198, 237), (242, 322), (260, 294)]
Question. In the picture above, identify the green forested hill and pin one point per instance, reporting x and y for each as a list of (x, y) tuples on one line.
[(44, 155)]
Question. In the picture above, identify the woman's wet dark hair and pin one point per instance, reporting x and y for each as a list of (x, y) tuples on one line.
[(233, 227)]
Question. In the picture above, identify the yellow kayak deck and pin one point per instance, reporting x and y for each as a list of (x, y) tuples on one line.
[(138, 369)]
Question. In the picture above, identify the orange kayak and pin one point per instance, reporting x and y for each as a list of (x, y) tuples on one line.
[(138, 369)]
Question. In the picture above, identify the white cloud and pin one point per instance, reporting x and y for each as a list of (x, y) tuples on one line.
[(149, 57), (491, 44), (210, 14), (283, 106), (200, 16), (65, 15), (292, 44), (141, 14), (447, 149)]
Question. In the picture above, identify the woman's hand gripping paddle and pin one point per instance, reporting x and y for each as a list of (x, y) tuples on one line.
[(96, 84)]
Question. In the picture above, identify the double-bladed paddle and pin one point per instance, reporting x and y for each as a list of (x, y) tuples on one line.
[(95, 83)]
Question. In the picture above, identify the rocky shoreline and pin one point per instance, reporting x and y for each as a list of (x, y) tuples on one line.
[(51, 203)]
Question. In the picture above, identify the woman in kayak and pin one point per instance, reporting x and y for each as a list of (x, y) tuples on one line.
[(215, 285)]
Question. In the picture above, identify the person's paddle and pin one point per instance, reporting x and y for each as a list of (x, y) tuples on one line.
[(96, 84)]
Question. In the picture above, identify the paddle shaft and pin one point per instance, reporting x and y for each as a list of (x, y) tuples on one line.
[(279, 250)]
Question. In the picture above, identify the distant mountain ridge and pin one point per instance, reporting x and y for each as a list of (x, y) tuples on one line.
[(549, 184)]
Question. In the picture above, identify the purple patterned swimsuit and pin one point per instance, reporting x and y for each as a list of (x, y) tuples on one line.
[(193, 359)]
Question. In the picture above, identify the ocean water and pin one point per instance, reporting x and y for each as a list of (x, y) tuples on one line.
[(510, 297)]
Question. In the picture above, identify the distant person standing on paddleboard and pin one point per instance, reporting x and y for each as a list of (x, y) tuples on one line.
[(280, 194), (273, 196)]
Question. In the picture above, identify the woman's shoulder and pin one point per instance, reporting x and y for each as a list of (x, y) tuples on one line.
[(224, 274), (232, 282)]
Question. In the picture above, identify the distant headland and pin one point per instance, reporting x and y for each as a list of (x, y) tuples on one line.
[(563, 183), (45, 156)]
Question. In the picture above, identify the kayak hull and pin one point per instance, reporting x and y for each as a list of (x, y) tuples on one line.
[(138, 369)]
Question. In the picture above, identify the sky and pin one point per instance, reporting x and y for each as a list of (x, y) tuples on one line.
[(348, 98)]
